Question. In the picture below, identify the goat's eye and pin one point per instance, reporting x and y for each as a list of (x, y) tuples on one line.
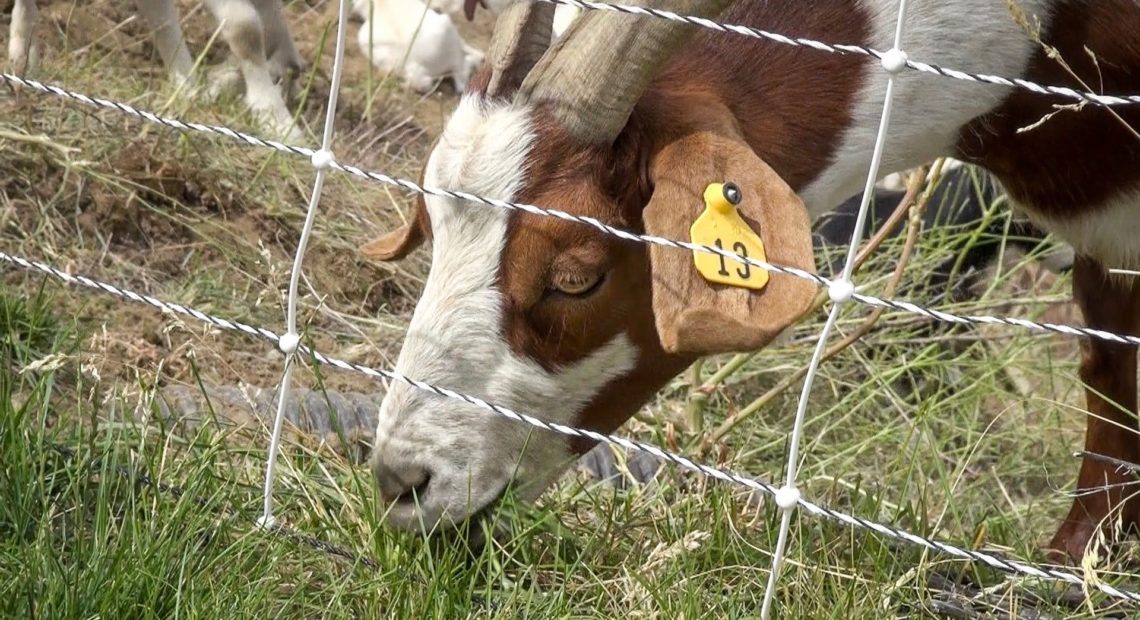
[(576, 284)]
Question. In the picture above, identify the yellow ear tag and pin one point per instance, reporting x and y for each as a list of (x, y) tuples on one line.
[(720, 225)]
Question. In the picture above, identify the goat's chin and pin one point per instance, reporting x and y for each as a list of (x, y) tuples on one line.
[(470, 511)]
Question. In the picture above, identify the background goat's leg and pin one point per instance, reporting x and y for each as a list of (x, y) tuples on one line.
[(21, 37), (242, 31), (284, 60), (1105, 500), (161, 16)]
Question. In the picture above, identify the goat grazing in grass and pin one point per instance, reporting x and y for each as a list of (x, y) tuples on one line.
[(255, 30), (421, 45), (628, 119)]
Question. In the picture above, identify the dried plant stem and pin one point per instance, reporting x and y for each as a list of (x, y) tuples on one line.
[(695, 408)]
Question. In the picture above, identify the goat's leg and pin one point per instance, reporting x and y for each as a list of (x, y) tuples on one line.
[(22, 53), (161, 16), (420, 80), (284, 61), (1106, 498), (242, 31)]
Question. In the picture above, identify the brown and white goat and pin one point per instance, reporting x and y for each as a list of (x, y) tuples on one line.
[(628, 119), (255, 30)]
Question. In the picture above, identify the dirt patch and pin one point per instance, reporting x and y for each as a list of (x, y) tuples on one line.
[(203, 221)]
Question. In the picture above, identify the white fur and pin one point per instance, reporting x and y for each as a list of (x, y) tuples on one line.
[(969, 35), (455, 340), (419, 44), (896, 181), (22, 50), (255, 31), (451, 7), (1110, 233), (564, 15)]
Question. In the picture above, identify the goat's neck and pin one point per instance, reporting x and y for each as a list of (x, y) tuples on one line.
[(813, 116)]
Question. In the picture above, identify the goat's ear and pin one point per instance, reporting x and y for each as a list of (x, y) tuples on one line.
[(698, 317), (394, 245), (398, 243)]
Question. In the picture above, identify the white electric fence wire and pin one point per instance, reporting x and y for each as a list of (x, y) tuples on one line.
[(407, 184), (914, 65), (839, 291), (289, 341), (998, 563)]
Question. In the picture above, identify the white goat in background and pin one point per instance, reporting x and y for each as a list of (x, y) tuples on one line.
[(417, 42), (255, 31), (564, 14)]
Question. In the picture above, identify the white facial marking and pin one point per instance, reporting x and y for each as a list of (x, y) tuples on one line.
[(969, 35), (456, 340)]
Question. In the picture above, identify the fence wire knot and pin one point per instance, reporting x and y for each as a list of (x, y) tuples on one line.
[(288, 343), (787, 497), (322, 159), (894, 60), (841, 290)]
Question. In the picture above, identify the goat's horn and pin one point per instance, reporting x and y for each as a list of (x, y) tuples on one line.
[(522, 35), (599, 68)]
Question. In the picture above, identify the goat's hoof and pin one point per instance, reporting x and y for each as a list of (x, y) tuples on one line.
[(188, 86), (288, 133), (1072, 541), (420, 83), (224, 81)]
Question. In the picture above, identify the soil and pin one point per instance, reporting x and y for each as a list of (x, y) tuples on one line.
[(203, 221)]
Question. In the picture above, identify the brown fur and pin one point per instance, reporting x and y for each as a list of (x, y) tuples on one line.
[(668, 311), (1109, 371), (1073, 163), (699, 90)]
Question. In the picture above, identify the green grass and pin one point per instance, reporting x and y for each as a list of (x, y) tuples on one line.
[(966, 436), (79, 537)]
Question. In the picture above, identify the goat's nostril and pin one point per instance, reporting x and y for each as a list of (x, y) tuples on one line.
[(403, 484)]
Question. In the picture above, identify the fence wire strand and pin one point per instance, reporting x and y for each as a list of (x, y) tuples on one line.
[(723, 475), (840, 292)]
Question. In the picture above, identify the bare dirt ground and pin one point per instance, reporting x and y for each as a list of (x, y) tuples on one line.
[(203, 221)]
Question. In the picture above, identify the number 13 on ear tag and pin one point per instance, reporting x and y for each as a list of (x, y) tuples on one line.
[(721, 226)]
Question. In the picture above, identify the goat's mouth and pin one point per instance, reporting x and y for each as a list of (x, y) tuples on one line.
[(414, 495), (427, 506), (479, 527), (485, 513)]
